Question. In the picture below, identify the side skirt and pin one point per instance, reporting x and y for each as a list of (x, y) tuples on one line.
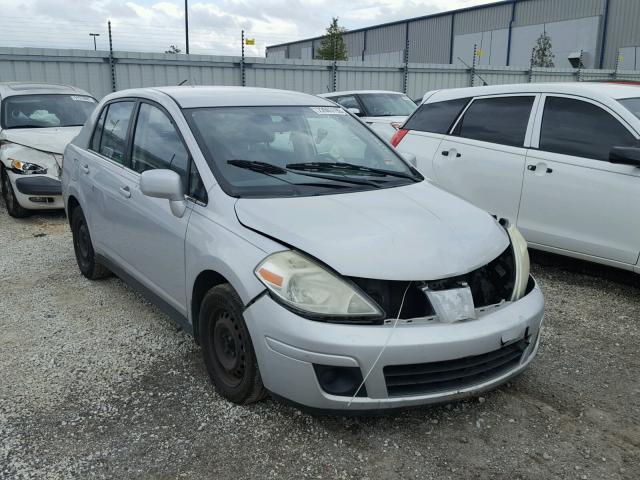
[(166, 308)]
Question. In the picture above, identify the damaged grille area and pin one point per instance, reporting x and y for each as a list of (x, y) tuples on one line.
[(490, 285), (451, 375)]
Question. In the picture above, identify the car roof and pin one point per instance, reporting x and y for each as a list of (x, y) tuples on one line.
[(588, 89), (213, 96), (355, 92), (9, 89)]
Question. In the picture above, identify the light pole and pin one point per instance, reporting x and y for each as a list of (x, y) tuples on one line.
[(94, 35), (186, 24)]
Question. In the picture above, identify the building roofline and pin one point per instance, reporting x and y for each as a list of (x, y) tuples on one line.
[(398, 22)]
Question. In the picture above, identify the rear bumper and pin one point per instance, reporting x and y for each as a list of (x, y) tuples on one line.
[(287, 347)]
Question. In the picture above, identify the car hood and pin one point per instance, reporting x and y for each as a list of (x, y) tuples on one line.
[(53, 140), (399, 119), (415, 232)]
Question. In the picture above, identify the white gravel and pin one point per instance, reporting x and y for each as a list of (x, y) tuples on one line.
[(97, 383)]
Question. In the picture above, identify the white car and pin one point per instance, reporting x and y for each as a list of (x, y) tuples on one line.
[(384, 111), (561, 161), (37, 121)]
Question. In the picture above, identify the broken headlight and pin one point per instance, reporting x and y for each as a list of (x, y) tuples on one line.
[(26, 168), (521, 261)]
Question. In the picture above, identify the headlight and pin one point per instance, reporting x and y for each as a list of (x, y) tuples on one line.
[(26, 168), (307, 287), (521, 262)]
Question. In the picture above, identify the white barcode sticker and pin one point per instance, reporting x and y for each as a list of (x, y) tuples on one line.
[(328, 110), (78, 98)]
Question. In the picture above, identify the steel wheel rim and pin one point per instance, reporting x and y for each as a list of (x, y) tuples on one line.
[(229, 351)]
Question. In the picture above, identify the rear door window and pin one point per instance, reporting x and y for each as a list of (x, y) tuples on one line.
[(113, 141), (501, 120), (348, 102), (582, 129), (436, 117)]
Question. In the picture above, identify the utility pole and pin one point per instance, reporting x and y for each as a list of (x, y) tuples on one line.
[(186, 24), (94, 35)]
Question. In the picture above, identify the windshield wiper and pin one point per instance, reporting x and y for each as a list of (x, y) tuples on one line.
[(28, 126), (272, 170), (346, 167)]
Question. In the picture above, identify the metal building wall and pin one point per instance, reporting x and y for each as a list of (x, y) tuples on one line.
[(482, 19), (296, 50), (531, 12), (355, 44), (622, 29), (390, 38), (429, 40)]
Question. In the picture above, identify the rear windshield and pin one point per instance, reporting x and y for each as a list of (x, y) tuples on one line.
[(41, 111), (632, 104), (387, 104), (294, 151)]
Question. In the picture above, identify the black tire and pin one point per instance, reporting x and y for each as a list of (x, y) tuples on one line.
[(11, 202), (227, 348), (85, 256)]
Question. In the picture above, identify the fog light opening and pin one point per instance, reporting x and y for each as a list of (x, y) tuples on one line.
[(341, 381), (41, 199)]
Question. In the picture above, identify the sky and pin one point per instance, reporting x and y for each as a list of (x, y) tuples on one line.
[(214, 26)]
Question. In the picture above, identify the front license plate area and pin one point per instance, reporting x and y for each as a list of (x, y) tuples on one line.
[(452, 305)]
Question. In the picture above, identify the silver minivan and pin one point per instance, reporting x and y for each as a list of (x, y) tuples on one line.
[(305, 255)]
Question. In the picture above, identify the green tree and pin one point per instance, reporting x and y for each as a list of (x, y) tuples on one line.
[(542, 55), (173, 49), (332, 46)]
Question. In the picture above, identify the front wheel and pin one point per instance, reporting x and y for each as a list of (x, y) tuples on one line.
[(13, 207), (227, 347), (85, 256)]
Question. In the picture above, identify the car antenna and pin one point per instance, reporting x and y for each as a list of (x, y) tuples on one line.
[(475, 73)]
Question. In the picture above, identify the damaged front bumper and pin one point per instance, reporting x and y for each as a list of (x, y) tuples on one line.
[(421, 364)]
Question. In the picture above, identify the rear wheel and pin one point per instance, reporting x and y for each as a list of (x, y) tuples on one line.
[(13, 207), (85, 256), (227, 347)]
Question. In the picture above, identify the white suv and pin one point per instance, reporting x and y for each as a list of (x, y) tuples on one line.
[(562, 161)]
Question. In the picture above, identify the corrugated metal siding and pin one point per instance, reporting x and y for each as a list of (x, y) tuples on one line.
[(277, 52), (90, 71), (355, 44), (531, 12), (622, 29), (482, 19), (429, 40), (386, 39), (295, 49)]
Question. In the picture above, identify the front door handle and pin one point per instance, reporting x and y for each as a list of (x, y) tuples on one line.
[(446, 153), (531, 167), (85, 169), (125, 192)]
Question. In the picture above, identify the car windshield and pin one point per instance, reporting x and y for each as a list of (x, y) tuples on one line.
[(41, 111), (387, 104), (631, 104), (294, 151)]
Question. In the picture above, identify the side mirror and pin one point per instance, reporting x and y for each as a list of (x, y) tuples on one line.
[(625, 156), (165, 184), (355, 111), (410, 158)]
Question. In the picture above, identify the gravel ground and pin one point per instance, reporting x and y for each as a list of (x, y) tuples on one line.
[(97, 383)]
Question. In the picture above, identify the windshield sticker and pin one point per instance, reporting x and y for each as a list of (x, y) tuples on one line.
[(82, 99), (328, 110)]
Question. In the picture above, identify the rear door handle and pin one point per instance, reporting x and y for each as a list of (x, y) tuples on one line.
[(125, 192), (531, 167), (85, 169)]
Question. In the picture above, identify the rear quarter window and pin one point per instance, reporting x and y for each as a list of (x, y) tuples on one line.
[(436, 117)]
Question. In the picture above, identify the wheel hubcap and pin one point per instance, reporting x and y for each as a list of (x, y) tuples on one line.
[(229, 348)]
